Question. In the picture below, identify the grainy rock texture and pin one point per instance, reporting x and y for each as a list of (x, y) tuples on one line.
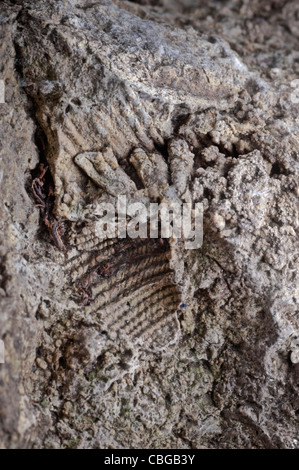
[(160, 100)]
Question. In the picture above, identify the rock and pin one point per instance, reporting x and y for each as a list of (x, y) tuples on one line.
[(160, 102)]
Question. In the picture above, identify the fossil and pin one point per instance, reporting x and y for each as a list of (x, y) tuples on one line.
[(141, 131)]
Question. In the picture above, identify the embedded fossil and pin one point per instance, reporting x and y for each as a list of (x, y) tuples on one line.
[(104, 170)]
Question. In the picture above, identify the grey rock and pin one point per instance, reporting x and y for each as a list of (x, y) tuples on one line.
[(117, 343)]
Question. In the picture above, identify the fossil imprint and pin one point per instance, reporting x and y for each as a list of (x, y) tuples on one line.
[(131, 119)]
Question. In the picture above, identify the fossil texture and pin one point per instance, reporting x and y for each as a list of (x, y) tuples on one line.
[(120, 342)]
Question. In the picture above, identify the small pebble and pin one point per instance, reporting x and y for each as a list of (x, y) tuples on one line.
[(295, 356), (41, 363)]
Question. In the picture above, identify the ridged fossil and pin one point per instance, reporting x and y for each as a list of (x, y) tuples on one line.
[(124, 127), (141, 126)]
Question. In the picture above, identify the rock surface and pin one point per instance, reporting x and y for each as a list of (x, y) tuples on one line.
[(123, 343)]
